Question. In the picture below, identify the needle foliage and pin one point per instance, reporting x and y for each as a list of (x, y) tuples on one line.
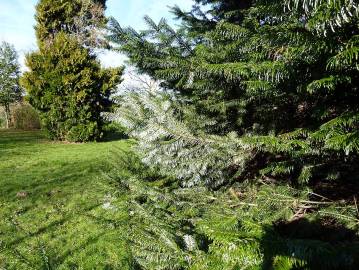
[(65, 81), (257, 122)]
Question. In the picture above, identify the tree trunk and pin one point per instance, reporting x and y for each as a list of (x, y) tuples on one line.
[(7, 116)]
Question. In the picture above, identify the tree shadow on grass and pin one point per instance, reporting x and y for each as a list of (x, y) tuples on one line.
[(303, 244), (38, 189), (54, 259), (13, 137), (58, 261), (51, 259), (113, 132), (114, 136), (49, 227)]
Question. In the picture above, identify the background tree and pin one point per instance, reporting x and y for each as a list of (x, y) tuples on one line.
[(83, 19), (10, 91), (66, 82)]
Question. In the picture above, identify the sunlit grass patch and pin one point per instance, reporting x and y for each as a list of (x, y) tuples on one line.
[(52, 198)]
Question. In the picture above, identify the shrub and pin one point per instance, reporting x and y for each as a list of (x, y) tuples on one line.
[(114, 131), (25, 117)]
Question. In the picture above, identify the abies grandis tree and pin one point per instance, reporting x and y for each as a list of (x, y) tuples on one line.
[(282, 76), (65, 81), (259, 103)]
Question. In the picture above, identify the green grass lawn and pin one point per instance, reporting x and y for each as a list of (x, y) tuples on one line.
[(57, 209)]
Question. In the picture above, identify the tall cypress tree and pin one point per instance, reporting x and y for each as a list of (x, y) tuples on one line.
[(80, 18), (66, 82)]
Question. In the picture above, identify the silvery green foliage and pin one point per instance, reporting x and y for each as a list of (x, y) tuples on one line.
[(176, 139), (168, 227), (325, 16)]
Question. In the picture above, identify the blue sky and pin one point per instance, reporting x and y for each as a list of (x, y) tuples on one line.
[(17, 20)]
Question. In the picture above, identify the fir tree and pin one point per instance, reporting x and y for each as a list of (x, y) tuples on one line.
[(247, 227), (260, 106), (276, 77)]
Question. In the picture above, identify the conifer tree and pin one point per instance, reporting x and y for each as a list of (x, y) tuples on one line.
[(66, 82), (275, 76), (247, 227), (259, 113), (80, 18)]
